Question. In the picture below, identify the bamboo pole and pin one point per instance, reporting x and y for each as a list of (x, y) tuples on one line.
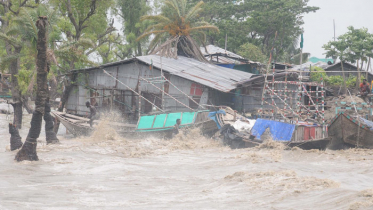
[(322, 107), (138, 94), (162, 83), (167, 94), (273, 87), (183, 92), (286, 85)]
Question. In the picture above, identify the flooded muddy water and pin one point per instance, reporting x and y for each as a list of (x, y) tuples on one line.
[(105, 171)]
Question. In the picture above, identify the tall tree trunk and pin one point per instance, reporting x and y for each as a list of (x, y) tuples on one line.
[(50, 135), (344, 90), (13, 50), (139, 51), (26, 105), (15, 138), (28, 151), (16, 93)]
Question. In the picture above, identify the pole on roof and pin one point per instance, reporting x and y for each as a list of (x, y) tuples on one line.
[(226, 40), (334, 28)]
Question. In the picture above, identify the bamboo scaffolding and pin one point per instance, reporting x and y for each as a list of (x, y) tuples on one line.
[(133, 91), (163, 92)]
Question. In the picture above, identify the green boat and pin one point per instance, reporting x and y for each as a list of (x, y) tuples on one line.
[(163, 124), (160, 125)]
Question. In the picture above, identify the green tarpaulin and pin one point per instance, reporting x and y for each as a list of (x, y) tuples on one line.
[(165, 121)]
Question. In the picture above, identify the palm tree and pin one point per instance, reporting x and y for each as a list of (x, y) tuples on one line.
[(173, 30), (28, 150)]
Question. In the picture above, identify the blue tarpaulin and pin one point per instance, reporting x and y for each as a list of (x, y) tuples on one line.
[(280, 131), (212, 115)]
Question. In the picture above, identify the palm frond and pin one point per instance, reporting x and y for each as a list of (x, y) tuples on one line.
[(6, 60), (183, 7), (155, 41), (156, 18), (174, 5), (149, 33), (13, 41), (178, 24), (208, 27), (195, 10)]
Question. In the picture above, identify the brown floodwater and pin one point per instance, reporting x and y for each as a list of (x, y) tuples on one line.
[(105, 171)]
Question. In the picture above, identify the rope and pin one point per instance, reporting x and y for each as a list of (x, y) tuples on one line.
[(167, 94), (183, 92), (309, 96), (132, 90)]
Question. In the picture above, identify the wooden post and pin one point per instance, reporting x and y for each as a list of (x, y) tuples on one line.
[(111, 99), (273, 89), (322, 107), (163, 81), (286, 89), (139, 87)]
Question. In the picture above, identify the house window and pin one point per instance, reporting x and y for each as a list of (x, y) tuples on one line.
[(196, 91)]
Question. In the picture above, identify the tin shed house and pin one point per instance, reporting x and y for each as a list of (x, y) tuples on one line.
[(188, 85)]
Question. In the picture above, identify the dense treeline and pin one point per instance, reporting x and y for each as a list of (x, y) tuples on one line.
[(85, 33)]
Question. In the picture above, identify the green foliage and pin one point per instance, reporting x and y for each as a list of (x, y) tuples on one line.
[(335, 80), (256, 22), (355, 45), (177, 30), (283, 16), (351, 81), (24, 78), (252, 52), (317, 73), (351, 46)]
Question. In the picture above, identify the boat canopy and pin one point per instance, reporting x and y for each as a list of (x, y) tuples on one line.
[(165, 121)]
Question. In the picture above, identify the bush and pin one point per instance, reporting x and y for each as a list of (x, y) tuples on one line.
[(351, 81), (316, 73), (335, 80)]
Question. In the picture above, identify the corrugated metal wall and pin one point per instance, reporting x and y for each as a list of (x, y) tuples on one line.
[(100, 85)]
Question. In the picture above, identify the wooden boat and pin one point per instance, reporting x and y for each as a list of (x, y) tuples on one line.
[(79, 126), (305, 136), (160, 125), (346, 131), (310, 137)]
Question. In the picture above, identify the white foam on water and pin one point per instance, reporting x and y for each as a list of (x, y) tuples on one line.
[(190, 171)]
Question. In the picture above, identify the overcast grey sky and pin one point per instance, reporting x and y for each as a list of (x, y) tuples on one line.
[(318, 27)]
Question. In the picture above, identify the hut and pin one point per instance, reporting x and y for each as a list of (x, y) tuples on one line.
[(191, 84), (350, 69)]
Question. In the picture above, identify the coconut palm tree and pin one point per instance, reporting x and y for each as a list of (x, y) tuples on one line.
[(174, 28)]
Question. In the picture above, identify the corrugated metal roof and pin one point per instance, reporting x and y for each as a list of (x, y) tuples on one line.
[(210, 75), (229, 58), (212, 49)]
